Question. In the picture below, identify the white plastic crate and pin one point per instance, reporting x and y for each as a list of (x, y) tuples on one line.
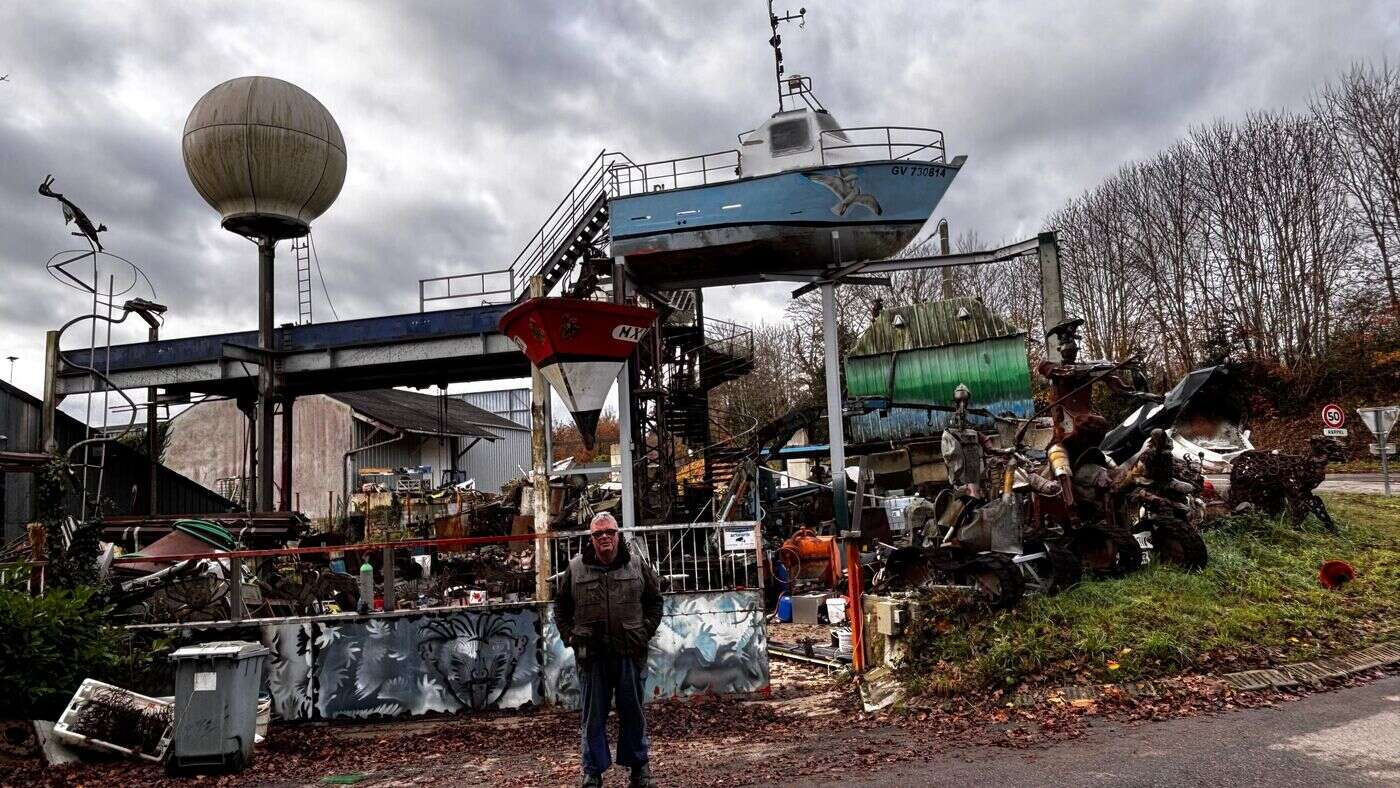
[(64, 727)]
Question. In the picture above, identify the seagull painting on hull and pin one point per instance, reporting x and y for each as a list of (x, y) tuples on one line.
[(845, 188)]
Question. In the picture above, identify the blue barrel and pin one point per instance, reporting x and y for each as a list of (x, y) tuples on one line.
[(785, 609)]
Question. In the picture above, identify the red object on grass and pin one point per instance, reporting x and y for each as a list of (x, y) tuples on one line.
[(1335, 573), (1208, 490), (578, 346)]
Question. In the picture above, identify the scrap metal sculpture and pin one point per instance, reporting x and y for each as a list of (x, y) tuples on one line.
[(1277, 483), (72, 213)]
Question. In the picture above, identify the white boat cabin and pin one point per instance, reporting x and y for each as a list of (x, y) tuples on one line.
[(792, 140)]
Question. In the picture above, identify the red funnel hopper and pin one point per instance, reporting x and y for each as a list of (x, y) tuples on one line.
[(578, 346)]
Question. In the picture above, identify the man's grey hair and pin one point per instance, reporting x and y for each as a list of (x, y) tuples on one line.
[(602, 517)]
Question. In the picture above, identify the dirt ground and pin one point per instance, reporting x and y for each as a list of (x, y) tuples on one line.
[(808, 729)]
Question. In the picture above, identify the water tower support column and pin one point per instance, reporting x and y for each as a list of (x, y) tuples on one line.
[(266, 248)]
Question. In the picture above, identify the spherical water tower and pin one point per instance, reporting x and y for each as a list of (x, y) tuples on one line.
[(266, 155), (269, 158)]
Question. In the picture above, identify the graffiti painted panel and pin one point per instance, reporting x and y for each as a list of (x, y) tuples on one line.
[(459, 661), (707, 643), (288, 673)]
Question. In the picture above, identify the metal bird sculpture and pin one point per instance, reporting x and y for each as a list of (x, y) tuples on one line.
[(72, 213), (844, 187)]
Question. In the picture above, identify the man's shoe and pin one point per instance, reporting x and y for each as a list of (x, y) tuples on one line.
[(641, 777), (591, 781)]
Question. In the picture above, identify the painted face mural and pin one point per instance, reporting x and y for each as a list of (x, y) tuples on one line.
[(474, 657)]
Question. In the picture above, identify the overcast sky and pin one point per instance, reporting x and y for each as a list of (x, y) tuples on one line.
[(465, 122)]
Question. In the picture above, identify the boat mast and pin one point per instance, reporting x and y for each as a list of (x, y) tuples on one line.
[(776, 42)]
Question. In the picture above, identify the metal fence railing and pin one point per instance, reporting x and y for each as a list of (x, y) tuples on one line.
[(688, 557)]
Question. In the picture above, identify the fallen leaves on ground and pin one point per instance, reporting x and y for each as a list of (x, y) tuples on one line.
[(699, 742)]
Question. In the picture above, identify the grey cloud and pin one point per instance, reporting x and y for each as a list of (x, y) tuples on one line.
[(466, 122)]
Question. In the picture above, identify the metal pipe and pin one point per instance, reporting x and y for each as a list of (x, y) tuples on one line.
[(390, 593), (234, 584), (624, 407), (51, 398), (835, 428), (153, 334), (1052, 294), (266, 252), (285, 504), (944, 251)]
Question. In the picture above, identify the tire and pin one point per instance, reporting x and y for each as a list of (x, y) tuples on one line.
[(1106, 552), (1066, 567), (1177, 543), (997, 579), (1129, 551), (1056, 571)]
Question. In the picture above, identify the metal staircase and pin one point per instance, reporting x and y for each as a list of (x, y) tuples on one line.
[(704, 357), (301, 249), (578, 223)]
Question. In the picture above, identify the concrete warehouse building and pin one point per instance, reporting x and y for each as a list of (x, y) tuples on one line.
[(208, 442)]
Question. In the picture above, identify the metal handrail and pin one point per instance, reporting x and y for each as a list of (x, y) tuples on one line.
[(480, 277), (716, 167), (730, 338), (597, 180), (890, 145)]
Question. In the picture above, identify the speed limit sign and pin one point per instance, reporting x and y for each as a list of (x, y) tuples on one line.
[(1333, 417)]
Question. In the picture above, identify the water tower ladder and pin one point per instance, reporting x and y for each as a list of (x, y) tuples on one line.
[(302, 249)]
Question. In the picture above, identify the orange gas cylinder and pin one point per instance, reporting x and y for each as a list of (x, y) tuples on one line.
[(808, 556), (1059, 460)]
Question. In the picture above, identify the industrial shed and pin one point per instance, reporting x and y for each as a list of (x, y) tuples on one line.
[(494, 464), (385, 428), (917, 355), (125, 479)]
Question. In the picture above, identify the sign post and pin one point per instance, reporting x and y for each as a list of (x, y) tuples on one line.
[(1380, 421)]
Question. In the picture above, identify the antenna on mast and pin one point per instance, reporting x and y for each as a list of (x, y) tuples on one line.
[(777, 41)]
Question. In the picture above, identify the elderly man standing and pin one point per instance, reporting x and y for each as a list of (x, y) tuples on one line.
[(607, 608)]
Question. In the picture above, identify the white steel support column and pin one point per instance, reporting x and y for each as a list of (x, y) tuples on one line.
[(540, 425), (835, 428), (1052, 294), (624, 408)]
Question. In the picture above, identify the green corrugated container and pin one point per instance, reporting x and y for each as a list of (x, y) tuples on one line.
[(939, 345)]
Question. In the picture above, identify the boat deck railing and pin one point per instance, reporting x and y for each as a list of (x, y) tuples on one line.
[(898, 143), (627, 179)]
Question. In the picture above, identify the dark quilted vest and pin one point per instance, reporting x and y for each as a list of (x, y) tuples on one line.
[(608, 605)]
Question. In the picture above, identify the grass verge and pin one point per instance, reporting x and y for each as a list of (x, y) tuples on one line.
[(1257, 603)]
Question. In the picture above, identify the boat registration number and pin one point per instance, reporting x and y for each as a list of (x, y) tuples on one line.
[(918, 172)]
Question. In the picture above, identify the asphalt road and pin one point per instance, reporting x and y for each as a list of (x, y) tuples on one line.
[(1349, 737), (1337, 482)]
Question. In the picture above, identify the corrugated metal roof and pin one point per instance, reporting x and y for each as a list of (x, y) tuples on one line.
[(933, 324), (409, 410)]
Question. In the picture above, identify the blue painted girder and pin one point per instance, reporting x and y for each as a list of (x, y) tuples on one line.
[(382, 346)]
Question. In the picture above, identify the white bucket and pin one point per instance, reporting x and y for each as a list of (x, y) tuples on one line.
[(836, 609), (843, 641), (264, 718)]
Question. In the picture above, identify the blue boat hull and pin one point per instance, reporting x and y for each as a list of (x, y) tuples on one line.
[(739, 231)]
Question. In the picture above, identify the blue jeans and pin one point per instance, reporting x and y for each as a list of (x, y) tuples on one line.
[(602, 677)]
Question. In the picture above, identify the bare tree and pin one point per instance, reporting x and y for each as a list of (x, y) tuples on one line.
[(1361, 114)]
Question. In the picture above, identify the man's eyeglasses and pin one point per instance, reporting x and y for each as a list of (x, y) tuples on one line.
[(608, 532)]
